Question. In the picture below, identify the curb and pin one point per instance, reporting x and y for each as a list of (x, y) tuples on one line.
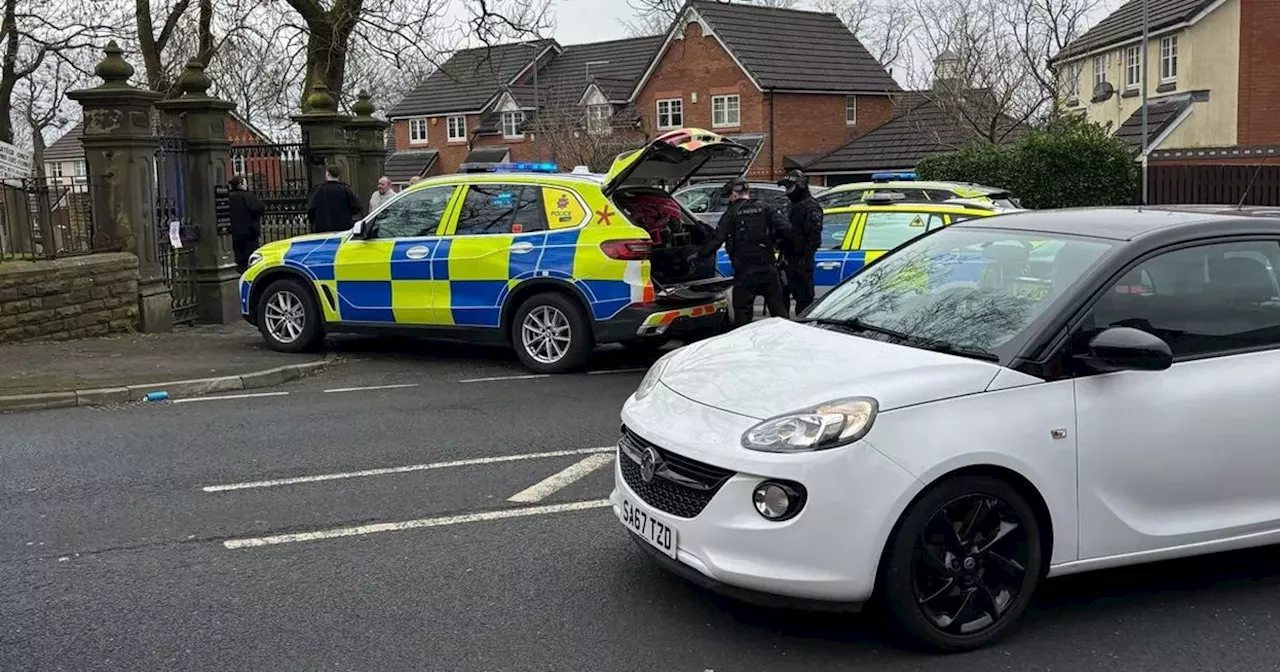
[(175, 389)]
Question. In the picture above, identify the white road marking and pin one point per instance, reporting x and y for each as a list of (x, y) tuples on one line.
[(231, 396), (498, 378), (372, 387), (253, 542), (405, 469), (605, 373), (561, 480)]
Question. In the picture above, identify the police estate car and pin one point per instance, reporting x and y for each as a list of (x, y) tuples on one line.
[(913, 189), (551, 263)]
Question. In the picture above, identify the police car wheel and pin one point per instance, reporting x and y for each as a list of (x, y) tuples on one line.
[(551, 334), (288, 317)]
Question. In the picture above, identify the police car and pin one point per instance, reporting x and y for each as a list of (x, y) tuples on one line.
[(551, 263), (858, 234), (907, 185)]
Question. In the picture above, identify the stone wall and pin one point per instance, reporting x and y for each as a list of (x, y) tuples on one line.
[(68, 298)]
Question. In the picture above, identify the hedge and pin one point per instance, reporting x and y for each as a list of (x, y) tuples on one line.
[(1065, 162)]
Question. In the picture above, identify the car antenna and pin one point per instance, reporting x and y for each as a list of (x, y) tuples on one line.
[(1247, 189)]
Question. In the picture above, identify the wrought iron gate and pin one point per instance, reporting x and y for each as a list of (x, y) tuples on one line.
[(177, 261), (281, 178)]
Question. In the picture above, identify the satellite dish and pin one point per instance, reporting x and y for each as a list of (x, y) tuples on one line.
[(1102, 91)]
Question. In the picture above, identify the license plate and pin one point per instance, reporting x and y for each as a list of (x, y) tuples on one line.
[(657, 533)]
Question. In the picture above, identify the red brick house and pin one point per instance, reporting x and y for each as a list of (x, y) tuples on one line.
[(785, 82)]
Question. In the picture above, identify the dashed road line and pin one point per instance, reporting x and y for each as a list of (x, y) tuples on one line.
[(403, 469), (226, 397), (611, 371), (371, 387), (562, 479), (361, 530), (495, 379)]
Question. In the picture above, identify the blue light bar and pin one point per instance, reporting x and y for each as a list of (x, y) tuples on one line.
[(524, 167), (889, 177)]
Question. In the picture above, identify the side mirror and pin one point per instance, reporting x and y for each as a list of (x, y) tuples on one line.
[(357, 229), (1128, 349)]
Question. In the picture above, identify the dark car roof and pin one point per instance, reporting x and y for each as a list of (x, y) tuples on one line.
[(1130, 223)]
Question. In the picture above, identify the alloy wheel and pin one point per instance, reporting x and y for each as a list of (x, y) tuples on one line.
[(970, 564), (546, 334), (286, 316)]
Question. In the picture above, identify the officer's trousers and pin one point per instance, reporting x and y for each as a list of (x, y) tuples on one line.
[(746, 287), (800, 281)]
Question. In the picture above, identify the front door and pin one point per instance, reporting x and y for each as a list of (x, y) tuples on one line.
[(1188, 454), (388, 276)]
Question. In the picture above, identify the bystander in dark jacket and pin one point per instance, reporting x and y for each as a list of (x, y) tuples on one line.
[(245, 213), (333, 206)]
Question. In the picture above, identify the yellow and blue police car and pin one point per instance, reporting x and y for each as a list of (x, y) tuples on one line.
[(551, 263)]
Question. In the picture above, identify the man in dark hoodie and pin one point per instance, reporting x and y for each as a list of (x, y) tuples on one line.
[(244, 211), (799, 248), (333, 206)]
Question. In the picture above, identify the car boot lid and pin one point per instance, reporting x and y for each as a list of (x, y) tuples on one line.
[(775, 366), (670, 160)]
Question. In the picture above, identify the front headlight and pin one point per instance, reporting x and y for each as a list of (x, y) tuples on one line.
[(651, 378), (826, 425), (255, 258)]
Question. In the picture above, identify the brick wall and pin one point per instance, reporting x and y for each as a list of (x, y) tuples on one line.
[(451, 153), (698, 64), (1259, 86), (816, 124), (68, 298)]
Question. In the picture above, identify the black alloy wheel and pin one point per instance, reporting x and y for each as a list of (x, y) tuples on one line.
[(964, 565)]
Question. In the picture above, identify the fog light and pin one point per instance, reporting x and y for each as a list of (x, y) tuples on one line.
[(778, 501)]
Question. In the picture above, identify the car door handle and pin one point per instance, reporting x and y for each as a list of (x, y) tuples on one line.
[(521, 248), (828, 265)]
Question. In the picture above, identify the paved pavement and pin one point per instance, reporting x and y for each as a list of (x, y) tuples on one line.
[(326, 527)]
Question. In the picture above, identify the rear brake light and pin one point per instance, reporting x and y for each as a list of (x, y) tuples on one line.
[(627, 249)]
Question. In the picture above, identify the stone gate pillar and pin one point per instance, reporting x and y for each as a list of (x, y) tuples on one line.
[(324, 137), (204, 125), (368, 138), (120, 151)]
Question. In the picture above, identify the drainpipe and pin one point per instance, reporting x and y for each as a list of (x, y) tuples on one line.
[(772, 162)]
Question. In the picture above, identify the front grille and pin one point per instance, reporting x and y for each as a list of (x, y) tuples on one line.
[(681, 486)]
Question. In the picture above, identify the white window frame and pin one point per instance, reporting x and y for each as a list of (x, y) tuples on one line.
[(459, 119), (851, 110), (725, 109), (55, 169), (518, 117), (1169, 59), (599, 118), (1074, 71), (238, 165), (1099, 69), (1132, 67), (81, 168), (675, 107), (417, 124)]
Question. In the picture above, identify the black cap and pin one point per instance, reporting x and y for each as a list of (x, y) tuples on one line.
[(736, 184), (793, 178)]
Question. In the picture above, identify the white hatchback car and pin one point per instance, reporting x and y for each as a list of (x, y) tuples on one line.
[(1001, 400)]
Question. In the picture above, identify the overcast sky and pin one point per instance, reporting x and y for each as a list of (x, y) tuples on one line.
[(579, 21)]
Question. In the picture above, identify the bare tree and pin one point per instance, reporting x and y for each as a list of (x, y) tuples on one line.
[(885, 28), (1042, 29), (40, 101), (567, 135), (654, 17), (35, 34)]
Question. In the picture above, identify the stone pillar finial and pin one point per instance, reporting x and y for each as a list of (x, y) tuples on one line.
[(113, 69), (194, 82), (321, 101), (363, 106)]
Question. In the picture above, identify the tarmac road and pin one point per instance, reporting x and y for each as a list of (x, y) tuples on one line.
[(330, 528)]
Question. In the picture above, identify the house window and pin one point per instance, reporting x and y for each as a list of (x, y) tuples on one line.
[(457, 128), (851, 110), (670, 113), (1132, 67), (1169, 59), (726, 111), (1073, 81), (599, 118), (1099, 69), (511, 122), (238, 166), (81, 169), (55, 169), (418, 130)]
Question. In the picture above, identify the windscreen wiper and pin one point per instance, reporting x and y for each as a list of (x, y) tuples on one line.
[(854, 324), (960, 351)]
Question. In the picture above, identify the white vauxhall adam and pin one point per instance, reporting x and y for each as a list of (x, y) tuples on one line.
[(999, 401)]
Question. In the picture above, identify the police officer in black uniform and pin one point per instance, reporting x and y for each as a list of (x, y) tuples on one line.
[(750, 232), (799, 248)]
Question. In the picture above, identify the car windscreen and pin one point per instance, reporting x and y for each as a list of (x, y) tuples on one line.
[(969, 289)]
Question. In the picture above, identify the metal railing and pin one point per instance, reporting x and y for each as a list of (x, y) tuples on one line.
[(46, 218)]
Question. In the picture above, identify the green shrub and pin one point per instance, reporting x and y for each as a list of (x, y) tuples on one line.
[(1063, 163)]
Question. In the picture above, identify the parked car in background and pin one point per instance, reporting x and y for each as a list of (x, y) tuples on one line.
[(706, 200), (906, 184)]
